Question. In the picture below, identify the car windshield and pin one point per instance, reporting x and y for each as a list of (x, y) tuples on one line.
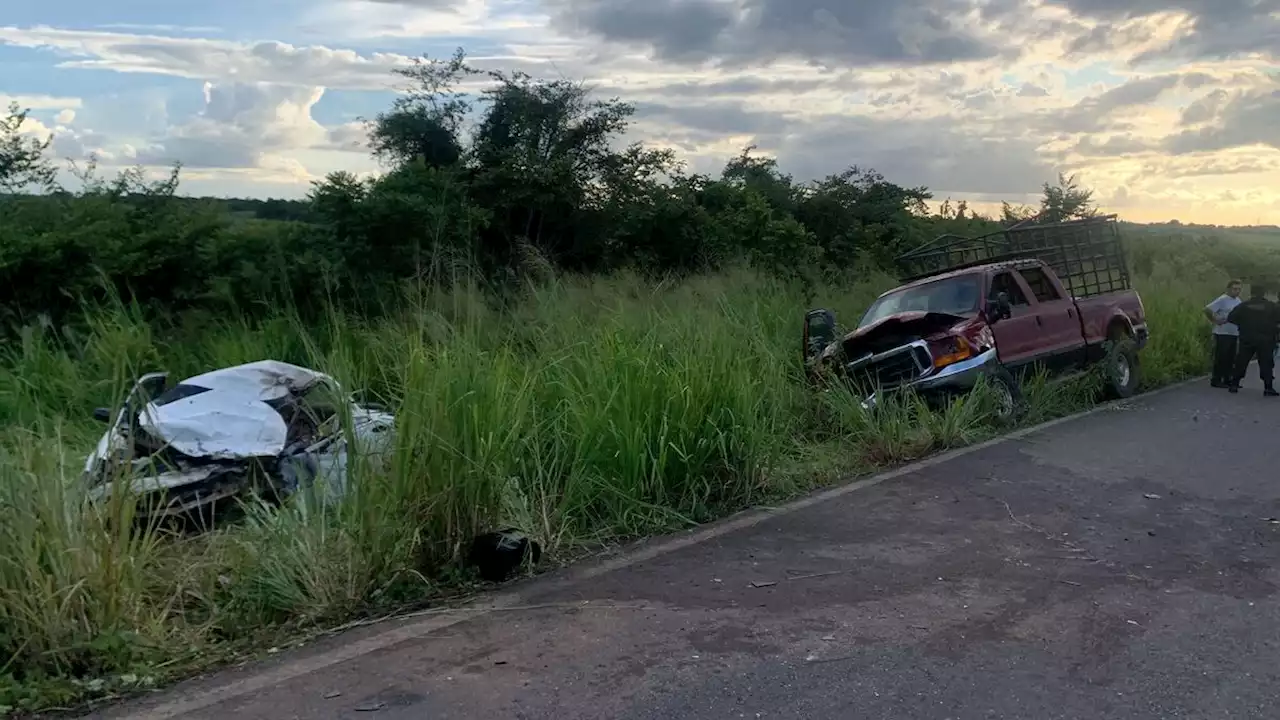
[(954, 296)]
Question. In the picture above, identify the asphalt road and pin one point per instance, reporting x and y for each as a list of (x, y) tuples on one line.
[(1121, 565)]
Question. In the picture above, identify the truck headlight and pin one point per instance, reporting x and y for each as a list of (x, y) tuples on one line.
[(950, 350)]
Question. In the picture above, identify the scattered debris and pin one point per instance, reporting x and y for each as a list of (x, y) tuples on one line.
[(499, 554), (817, 575), (262, 426), (790, 578), (814, 660)]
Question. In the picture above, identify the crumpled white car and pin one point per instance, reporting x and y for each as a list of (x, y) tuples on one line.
[(264, 425)]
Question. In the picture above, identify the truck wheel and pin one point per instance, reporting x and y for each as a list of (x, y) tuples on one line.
[(1008, 395), (1121, 368)]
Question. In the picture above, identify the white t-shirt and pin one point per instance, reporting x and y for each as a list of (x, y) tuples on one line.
[(1220, 308)]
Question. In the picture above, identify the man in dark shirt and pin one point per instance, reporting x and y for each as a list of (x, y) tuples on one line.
[(1258, 319)]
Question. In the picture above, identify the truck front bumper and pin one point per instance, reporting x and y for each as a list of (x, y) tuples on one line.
[(955, 379)]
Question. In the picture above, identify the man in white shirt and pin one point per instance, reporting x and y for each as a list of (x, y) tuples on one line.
[(1226, 336)]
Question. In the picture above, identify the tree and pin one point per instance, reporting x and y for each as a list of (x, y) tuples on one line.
[(1010, 214), (22, 160), (424, 123), (541, 159), (503, 174), (1066, 201), (761, 174), (859, 213)]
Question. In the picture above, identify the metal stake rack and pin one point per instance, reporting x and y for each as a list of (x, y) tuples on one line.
[(1087, 255)]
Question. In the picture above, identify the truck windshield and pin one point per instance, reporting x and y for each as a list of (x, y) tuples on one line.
[(954, 296)]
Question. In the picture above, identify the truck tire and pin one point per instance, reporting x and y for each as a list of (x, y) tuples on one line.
[(1008, 395), (1120, 368)]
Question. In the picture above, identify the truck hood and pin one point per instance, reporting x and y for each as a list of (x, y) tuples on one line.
[(897, 330)]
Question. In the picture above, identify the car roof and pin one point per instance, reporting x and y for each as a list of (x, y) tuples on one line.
[(971, 270)]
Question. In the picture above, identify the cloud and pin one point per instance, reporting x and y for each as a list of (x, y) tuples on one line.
[(1114, 145), (427, 4), (849, 32), (485, 21), (163, 28), (40, 102), (66, 143), (922, 32), (1096, 113), (352, 137), (1205, 109), (1207, 28), (1244, 119), (1229, 165), (250, 125), (202, 59), (946, 160), (909, 152)]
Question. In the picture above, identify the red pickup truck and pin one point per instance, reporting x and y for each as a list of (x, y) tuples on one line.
[(940, 332)]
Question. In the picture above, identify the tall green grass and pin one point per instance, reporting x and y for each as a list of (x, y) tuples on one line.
[(585, 412)]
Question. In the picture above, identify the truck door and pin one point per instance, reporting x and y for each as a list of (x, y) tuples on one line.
[(1017, 338), (1061, 343)]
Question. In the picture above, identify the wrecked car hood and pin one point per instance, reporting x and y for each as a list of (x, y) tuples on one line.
[(227, 412), (897, 329), (915, 320)]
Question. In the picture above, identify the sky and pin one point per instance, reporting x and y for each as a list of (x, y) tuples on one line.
[(1166, 108)]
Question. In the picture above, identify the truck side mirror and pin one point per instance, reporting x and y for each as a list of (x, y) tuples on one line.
[(102, 415), (999, 309)]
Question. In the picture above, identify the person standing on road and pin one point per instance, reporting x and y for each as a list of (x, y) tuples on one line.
[(1258, 320), (1226, 336)]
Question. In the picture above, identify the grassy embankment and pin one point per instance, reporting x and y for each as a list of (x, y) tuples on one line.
[(600, 410)]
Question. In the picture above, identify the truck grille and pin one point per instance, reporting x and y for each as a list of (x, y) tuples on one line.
[(891, 369)]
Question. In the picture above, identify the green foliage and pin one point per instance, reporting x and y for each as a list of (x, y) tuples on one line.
[(1066, 201), (22, 161), (422, 124), (538, 183)]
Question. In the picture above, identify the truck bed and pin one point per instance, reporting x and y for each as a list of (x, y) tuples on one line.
[(1101, 315)]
